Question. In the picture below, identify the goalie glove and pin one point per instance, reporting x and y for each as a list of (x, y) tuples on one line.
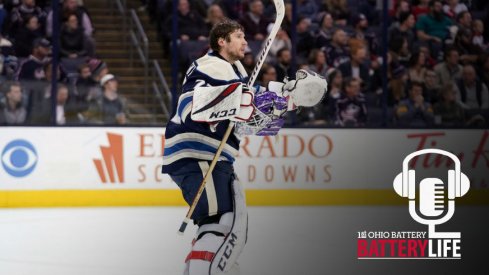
[(307, 90), (273, 106)]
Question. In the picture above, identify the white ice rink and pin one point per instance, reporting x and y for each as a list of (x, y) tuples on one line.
[(282, 240)]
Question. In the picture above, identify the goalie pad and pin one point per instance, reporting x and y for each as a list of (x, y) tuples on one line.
[(232, 101), (217, 247)]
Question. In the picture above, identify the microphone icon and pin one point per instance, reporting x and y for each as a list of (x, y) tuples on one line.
[(431, 193)]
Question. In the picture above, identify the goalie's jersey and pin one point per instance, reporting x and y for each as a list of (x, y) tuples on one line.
[(187, 140)]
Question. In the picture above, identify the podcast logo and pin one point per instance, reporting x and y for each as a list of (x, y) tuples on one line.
[(112, 162), (429, 204), (19, 158)]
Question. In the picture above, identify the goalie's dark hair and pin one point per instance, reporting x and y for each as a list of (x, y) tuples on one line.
[(223, 29)]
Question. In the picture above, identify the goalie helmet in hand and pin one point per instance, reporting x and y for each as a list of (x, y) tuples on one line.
[(308, 88)]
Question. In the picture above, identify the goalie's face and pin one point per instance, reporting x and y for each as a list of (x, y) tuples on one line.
[(233, 49)]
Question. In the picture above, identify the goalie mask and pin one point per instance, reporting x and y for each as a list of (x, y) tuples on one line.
[(307, 90)]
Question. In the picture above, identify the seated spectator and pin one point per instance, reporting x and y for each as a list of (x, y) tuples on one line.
[(338, 52), (254, 22), (472, 92), (415, 111), (110, 108), (317, 62), (12, 110), (20, 14), (72, 39), (267, 74), (191, 25), (397, 86), (99, 69), (449, 109), (433, 27), (361, 32), (357, 67), (70, 7), (335, 89), (432, 88), (307, 8), (85, 88), (453, 8), (214, 15), (283, 64), (305, 40), (351, 108), (248, 61), (66, 110), (6, 47), (478, 34), (449, 70), (325, 32), (469, 53), (421, 8), (339, 10), (417, 67), (26, 35), (464, 20), (404, 29), (281, 41), (33, 67)]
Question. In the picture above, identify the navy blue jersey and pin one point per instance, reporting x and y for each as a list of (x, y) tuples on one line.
[(187, 140)]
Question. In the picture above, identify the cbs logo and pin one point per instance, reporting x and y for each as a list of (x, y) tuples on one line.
[(19, 158)]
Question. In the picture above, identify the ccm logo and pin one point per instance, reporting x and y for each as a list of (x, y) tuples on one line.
[(224, 113), (231, 243)]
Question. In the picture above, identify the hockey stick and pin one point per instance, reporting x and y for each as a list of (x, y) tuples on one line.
[(280, 9)]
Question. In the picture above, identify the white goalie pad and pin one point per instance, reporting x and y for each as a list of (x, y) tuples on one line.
[(210, 104), (218, 246)]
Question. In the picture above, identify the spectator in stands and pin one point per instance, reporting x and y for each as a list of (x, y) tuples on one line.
[(464, 20), (335, 89), (98, 68), (422, 8), (432, 88), (72, 39), (357, 68), (214, 15), (287, 23), (70, 7), (85, 87), (20, 14), (478, 34), (415, 111), (267, 74), (248, 61), (33, 67), (325, 32), (351, 108), (305, 40), (254, 22), (283, 68), (417, 67), (433, 27), (307, 8), (6, 47), (337, 52), (281, 41), (396, 87), (339, 10), (369, 8), (361, 32), (26, 35), (472, 92), (449, 109), (449, 70), (66, 111), (453, 8), (191, 25), (469, 53), (12, 111), (404, 29), (317, 62), (110, 108)]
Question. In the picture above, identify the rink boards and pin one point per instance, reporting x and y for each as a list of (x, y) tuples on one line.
[(121, 166)]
